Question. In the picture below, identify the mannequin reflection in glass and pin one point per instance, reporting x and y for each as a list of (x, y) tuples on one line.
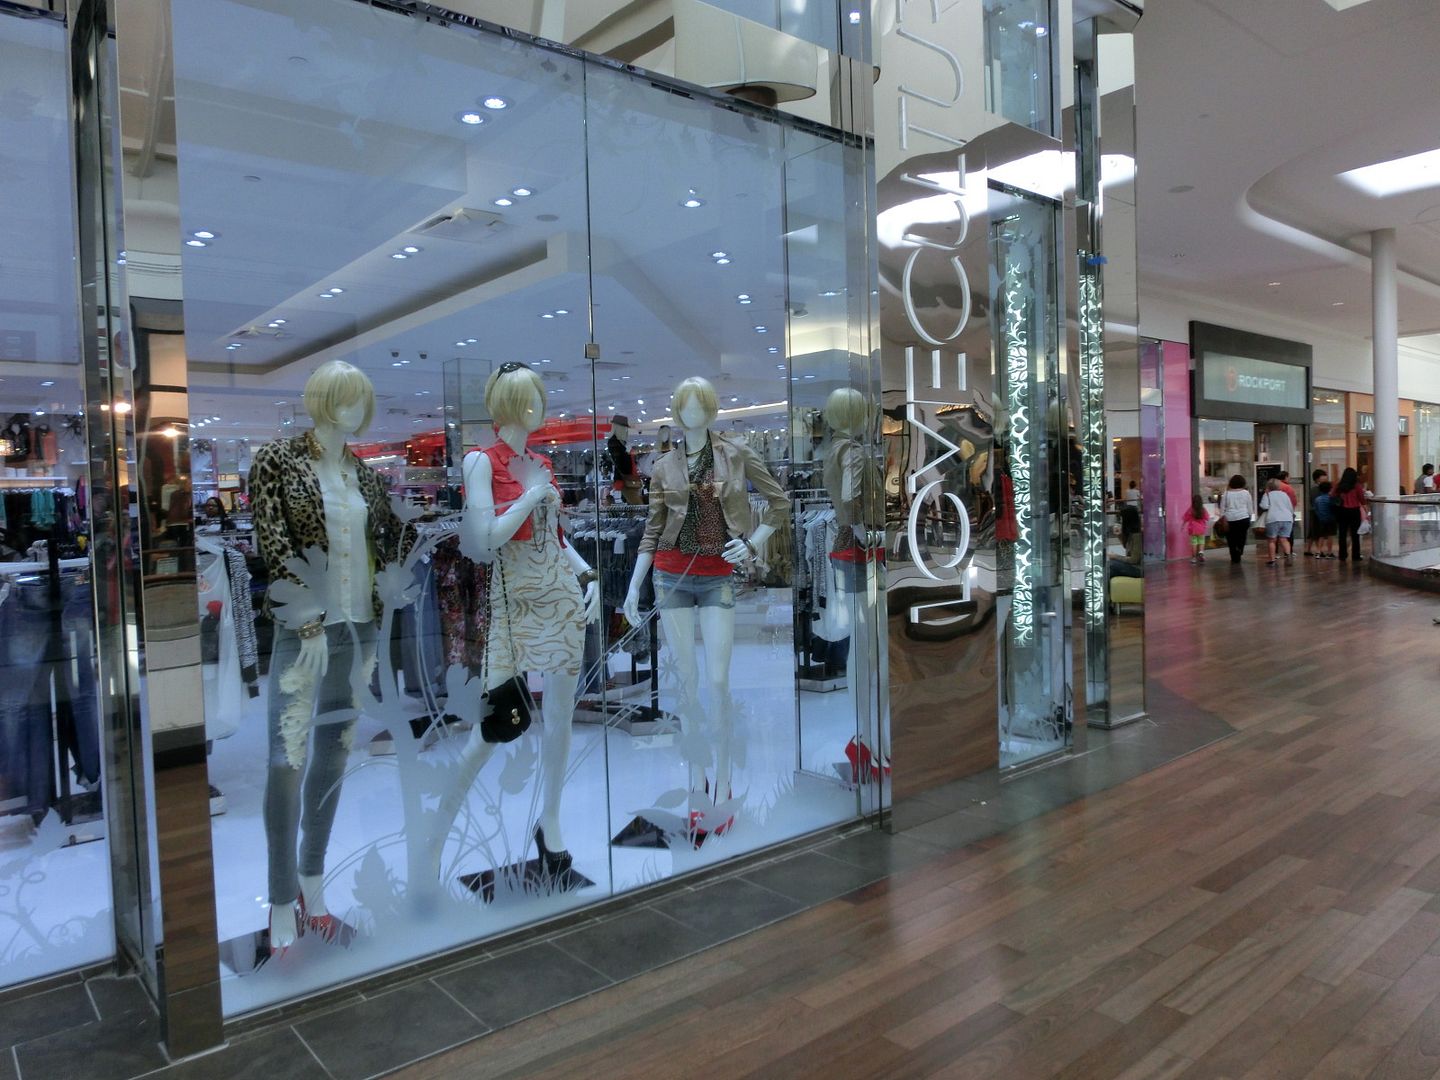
[(537, 610), (699, 529), (855, 486), (310, 492)]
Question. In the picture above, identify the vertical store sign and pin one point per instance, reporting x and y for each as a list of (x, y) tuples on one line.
[(925, 486)]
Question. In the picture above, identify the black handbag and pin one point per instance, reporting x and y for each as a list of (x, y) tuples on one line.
[(508, 706)]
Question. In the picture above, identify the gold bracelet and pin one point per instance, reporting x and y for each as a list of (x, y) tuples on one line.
[(312, 629)]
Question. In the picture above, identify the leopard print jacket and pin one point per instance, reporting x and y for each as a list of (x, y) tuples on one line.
[(289, 510)]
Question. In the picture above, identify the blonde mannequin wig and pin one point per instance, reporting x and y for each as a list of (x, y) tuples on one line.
[(507, 394), (700, 391), (334, 385), (846, 411)]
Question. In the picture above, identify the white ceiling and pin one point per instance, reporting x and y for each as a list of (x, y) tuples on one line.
[(1246, 111)]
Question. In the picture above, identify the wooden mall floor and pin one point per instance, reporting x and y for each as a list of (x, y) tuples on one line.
[(1267, 907)]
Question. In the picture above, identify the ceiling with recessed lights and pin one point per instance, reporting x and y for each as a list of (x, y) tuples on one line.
[(1249, 115), (406, 217)]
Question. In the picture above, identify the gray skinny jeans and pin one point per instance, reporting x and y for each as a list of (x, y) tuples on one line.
[(301, 801)]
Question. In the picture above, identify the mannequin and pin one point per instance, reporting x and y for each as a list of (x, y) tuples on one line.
[(695, 536), (311, 492), (855, 486), (538, 612), (627, 483)]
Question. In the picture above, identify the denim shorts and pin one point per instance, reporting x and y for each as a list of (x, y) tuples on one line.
[(693, 590), (1278, 530)]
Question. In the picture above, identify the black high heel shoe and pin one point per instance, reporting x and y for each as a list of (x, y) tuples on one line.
[(554, 864)]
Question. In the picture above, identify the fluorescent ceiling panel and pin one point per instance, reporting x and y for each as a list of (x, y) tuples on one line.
[(1414, 173)]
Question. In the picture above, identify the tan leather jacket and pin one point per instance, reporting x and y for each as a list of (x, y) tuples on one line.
[(735, 463)]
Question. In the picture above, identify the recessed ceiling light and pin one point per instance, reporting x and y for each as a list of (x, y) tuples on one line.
[(722, 262), (691, 202), (733, 400), (747, 300), (39, 412), (459, 344), (279, 322), (48, 382), (399, 255), (774, 349), (562, 311), (397, 363), (470, 118), (196, 243), (204, 234), (548, 315), (809, 376), (502, 201), (761, 330), (1337, 303), (495, 103), (718, 254), (830, 292), (522, 192), (1272, 284), (639, 401), (1397, 176), (743, 296), (470, 341), (410, 249), (336, 289), (327, 296)]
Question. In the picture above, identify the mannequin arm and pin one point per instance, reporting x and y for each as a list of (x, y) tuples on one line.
[(580, 566), (485, 529), (643, 562)]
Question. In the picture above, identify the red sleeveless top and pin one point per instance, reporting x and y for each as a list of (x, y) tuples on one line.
[(506, 489)]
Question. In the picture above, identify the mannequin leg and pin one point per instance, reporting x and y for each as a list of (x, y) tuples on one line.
[(679, 627), (558, 711), (289, 718), (321, 798), (717, 631), (472, 759)]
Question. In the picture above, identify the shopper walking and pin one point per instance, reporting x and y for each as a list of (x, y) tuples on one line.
[(1350, 494), (1237, 508), (1279, 510), (1313, 547), (1323, 527), (1197, 526)]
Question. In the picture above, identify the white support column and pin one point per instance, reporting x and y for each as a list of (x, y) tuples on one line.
[(1386, 478)]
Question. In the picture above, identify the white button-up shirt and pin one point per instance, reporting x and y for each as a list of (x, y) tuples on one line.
[(350, 577)]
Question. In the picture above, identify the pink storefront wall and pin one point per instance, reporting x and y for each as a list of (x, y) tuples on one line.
[(1179, 453)]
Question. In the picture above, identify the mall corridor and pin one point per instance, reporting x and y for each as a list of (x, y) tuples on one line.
[(1264, 908)]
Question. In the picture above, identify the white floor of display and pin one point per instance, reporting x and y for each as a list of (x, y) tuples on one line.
[(610, 779), (55, 906)]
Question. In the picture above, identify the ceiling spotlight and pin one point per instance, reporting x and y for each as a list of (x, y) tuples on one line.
[(548, 315), (743, 296), (495, 103), (410, 249), (470, 118), (48, 382), (733, 400), (399, 255), (203, 234), (470, 341), (718, 254), (397, 364), (761, 330), (196, 243), (690, 202), (773, 349), (502, 201), (521, 192), (336, 289), (459, 344), (327, 296), (1272, 284), (747, 300), (639, 401), (722, 262), (279, 322), (562, 311)]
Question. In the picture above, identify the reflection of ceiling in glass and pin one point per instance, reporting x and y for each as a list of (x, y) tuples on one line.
[(37, 273), (324, 153)]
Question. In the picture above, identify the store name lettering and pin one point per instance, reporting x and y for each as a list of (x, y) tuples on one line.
[(909, 93)]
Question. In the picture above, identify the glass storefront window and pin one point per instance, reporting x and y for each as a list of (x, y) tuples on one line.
[(1227, 447), (486, 267), (1328, 432), (1018, 80), (55, 895)]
